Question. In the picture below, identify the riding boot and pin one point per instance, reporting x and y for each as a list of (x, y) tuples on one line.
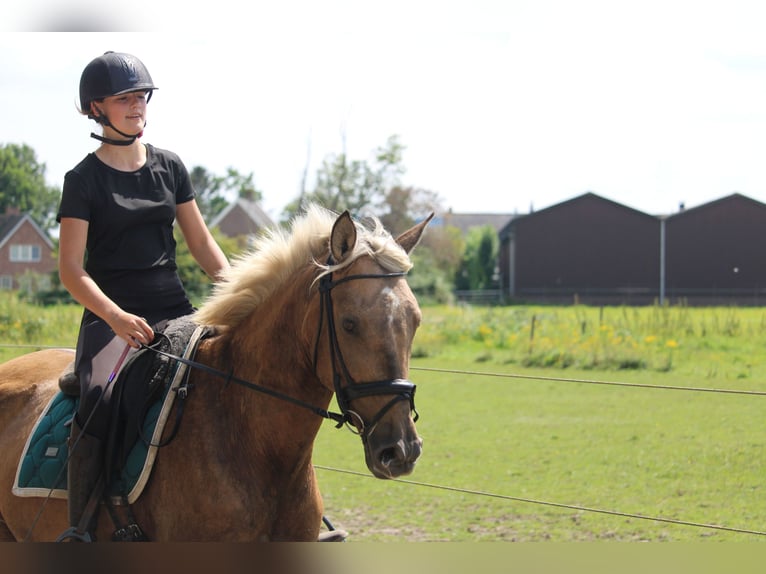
[(86, 464)]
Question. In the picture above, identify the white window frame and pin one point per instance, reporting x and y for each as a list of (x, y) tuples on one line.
[(21, 253)]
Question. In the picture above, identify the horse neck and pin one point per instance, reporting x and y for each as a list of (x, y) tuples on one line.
[(268, 349)]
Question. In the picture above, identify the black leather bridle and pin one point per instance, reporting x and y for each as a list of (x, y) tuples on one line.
[(402, 389)]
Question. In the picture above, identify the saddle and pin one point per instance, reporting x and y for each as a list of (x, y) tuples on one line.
[(142, 399), (138, 386)]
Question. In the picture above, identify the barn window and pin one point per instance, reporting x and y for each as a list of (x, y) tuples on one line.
[(25, 253)]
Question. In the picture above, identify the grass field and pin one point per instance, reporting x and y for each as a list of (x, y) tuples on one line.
[(25, 328), (682, 455), (491, 440)]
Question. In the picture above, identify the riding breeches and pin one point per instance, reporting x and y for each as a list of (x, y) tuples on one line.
[(97, 364)]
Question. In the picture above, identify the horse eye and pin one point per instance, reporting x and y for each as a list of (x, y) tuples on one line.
[(349, 325)]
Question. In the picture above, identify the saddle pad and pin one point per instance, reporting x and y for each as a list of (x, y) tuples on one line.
[(42, 468)]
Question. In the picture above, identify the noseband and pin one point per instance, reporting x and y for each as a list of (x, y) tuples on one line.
[(402, 389)]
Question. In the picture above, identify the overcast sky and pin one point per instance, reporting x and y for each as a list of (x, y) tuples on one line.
[(502, 105)]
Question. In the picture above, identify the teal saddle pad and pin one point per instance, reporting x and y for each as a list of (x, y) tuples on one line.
[(42, 468)]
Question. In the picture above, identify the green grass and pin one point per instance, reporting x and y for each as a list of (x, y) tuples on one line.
[(691, 456), (25, 328), (706, 343), (694, 457)]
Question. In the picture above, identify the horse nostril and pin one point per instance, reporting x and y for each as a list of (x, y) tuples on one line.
[(387, 456), (400, 453)]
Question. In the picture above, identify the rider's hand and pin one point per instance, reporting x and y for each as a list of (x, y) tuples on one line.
[(134, 329)]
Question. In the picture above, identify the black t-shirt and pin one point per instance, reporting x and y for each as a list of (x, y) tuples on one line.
[(130, 244)]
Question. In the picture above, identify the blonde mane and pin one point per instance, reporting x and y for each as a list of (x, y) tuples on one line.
[(277, 255)]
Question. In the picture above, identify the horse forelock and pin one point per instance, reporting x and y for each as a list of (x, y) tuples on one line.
[(278, 254)]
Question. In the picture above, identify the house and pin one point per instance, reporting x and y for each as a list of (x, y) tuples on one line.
[(242, 217), (716, 252), (588, 248), (594, 250), (24, 248)]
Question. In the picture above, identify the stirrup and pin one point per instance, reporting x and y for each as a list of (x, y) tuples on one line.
[(74, 535), (332, 536)]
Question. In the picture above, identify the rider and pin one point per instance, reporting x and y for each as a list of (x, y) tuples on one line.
[(117, 253)]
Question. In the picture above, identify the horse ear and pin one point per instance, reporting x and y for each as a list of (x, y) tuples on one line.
[(410, 238), (343, 237)]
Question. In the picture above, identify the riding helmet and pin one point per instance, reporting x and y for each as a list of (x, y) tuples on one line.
[(112, 74)]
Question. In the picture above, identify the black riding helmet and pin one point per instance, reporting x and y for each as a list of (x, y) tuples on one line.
[(113, 74)]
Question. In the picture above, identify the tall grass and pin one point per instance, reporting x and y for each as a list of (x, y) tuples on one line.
[(24, 327), (717, 342)]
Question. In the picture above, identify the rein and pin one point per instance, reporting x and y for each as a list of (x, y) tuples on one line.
[(230, 378), (402, 389)]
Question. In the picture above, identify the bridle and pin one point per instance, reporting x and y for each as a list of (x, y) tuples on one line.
[(401, 389)]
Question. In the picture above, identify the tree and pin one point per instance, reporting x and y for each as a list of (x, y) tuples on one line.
[(376, 189), (194, 279), (212, 192), (436, 261), (215, 192), (22, 185), (402, 207), (356, 185), (479, 259)]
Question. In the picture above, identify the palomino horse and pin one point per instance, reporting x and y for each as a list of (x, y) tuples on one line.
[(324, 308)]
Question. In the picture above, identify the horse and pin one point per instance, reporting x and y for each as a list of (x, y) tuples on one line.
[(319, 308)]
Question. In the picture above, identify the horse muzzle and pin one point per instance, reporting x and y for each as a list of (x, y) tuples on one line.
[(393, 459)]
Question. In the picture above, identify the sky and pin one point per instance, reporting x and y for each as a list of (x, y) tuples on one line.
[(503, 106)]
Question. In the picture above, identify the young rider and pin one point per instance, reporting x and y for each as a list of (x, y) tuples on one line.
[(117, 252)]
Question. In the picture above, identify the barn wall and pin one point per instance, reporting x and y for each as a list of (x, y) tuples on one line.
[(588, 247), (717, 251)]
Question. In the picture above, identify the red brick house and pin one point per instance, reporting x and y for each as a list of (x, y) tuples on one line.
[(24, 248)]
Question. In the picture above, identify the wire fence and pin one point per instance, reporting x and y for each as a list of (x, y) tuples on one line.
[(658, 387), (593, 382), (741, 530), (478, 493), (554, 504)]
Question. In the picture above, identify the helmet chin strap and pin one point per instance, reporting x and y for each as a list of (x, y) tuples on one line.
[(111, 141), (104, 120)]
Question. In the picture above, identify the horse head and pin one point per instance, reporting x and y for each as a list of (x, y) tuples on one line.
[(327, 303), (367, 321)]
